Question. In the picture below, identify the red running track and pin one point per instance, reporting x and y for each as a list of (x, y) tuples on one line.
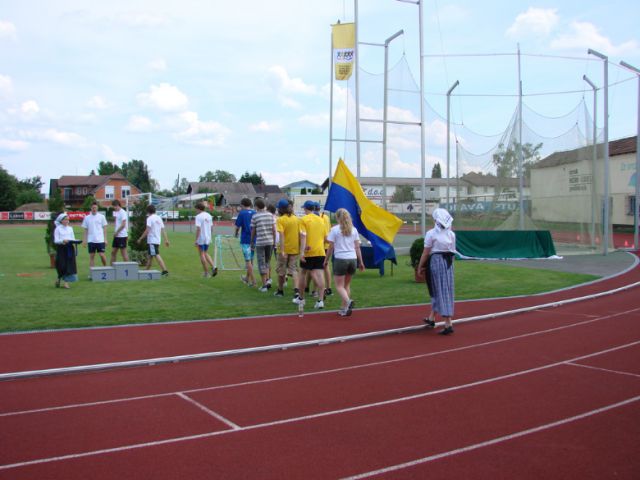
[(68, 348), (551, 393)]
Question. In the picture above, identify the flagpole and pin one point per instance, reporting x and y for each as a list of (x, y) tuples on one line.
[(331, 110), (357, 67)]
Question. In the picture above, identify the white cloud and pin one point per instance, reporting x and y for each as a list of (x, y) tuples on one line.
[(164, 97), (7, 30), (69, 139), (285, 86), (319, 120), (142, 19), (97, 102), (585, 35), (534, 22), (29, 110), (6, 86), (138, 123), (110, 156), (157, 65), (197, 132), (265, 126), (13, 145)]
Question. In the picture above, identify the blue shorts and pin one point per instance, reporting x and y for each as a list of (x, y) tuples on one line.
[(247, 252), (204, 247), (96, 247)]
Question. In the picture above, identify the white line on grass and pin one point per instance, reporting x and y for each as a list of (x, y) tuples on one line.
[(320, 414), (328, 371)]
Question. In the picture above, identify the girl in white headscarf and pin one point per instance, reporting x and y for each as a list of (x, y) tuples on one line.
[(65, 240), (437, 260)]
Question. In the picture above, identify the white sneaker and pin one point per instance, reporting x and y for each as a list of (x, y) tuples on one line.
[(268, 282), (298, 300), (244, 279), (263, 289), (319, 305)]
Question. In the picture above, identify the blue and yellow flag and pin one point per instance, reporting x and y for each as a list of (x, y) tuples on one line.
[(373, 223)]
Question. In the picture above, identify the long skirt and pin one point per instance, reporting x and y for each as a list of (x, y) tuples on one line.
[(442, 285), (66, 262)]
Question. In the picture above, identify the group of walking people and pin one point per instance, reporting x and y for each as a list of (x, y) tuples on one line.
[(305, 247)]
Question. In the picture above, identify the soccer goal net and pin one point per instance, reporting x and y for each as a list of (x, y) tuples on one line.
[(227, 253)]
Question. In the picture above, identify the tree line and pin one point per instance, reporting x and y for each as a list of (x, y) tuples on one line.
[(14, 192)]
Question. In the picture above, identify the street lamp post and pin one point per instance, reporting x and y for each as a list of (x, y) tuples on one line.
[(636, 209), (385, 113), (594, 159), (605, 216), (449, 140)]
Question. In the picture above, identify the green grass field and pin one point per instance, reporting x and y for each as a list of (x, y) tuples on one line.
[(31, 302)]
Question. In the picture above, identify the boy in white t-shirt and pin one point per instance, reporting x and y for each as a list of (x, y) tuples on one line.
[(204, 225), (95, 234), (120, 233), (155, 228)]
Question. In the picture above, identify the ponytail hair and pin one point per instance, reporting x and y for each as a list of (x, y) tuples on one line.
[(345, 222)]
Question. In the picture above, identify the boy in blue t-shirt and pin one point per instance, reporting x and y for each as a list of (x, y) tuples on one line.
[(243, 225)]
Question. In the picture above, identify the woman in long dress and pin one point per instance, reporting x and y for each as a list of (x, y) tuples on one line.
[(437, 260), (65, 241)]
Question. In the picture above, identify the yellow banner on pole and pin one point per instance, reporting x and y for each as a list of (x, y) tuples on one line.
[(343, 37)]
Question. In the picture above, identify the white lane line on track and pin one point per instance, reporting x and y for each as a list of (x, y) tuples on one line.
[(494, 441), (591, 367), (324, 372), (316, 415), (208, 411)]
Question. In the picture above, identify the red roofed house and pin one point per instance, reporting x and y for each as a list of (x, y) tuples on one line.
[(104, 188)]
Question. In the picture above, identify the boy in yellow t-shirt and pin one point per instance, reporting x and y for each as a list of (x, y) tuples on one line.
[(312, 238), (288, 228)]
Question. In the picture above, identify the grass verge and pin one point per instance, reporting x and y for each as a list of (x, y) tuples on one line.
[(30, 301)]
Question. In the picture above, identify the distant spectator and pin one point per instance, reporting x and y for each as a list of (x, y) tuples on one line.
[(437, 262), (287, 227), (65, 240), (153, 233), (344, 244), (95, 234), (204, 225), (243, 227), (263, 233), (120, 233)]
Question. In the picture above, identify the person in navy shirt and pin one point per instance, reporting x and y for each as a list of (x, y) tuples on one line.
[(243, 226)]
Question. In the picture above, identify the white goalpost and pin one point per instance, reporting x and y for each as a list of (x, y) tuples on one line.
[(227, 253)]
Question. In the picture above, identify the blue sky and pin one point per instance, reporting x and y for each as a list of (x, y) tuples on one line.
[(192, 86)]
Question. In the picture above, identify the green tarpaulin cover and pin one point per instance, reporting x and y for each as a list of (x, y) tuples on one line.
[(505, 243)]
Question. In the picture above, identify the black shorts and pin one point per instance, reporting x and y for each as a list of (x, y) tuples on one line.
[(153, 249), (96, 247), (312, 263), (119, 242)]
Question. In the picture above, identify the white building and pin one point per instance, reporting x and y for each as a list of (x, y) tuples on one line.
[(569, 186)]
